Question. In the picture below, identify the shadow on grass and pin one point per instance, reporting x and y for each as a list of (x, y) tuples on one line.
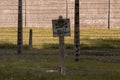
[(92, 44), (100, 47), (101, 43), (87, 44), (95, 47), (56, 46), (6, 45)]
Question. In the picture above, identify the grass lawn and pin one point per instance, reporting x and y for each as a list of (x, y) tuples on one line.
[(102, 41), (35, 64), (36, 67), (90, 38)]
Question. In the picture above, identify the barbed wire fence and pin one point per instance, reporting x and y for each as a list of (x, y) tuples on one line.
[(39, 14)]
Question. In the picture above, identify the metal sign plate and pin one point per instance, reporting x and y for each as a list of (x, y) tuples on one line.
[(61, 28)]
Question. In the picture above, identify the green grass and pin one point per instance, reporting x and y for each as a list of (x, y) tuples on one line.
[(90, 38), (100, 38), (34, 67), (33, 64), (92, 41)]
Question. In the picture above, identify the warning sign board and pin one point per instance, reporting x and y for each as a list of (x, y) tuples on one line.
[(61, 27)]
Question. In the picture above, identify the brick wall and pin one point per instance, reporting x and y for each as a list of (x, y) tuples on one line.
[(93, 13)]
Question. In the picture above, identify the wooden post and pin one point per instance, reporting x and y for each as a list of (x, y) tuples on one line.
[(61, 28), (77, 32), (30, 39), (62, 55), (61, 46), (20, 28)]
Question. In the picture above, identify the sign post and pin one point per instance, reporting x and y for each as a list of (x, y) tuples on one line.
[(62, 54), (61, 28)]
